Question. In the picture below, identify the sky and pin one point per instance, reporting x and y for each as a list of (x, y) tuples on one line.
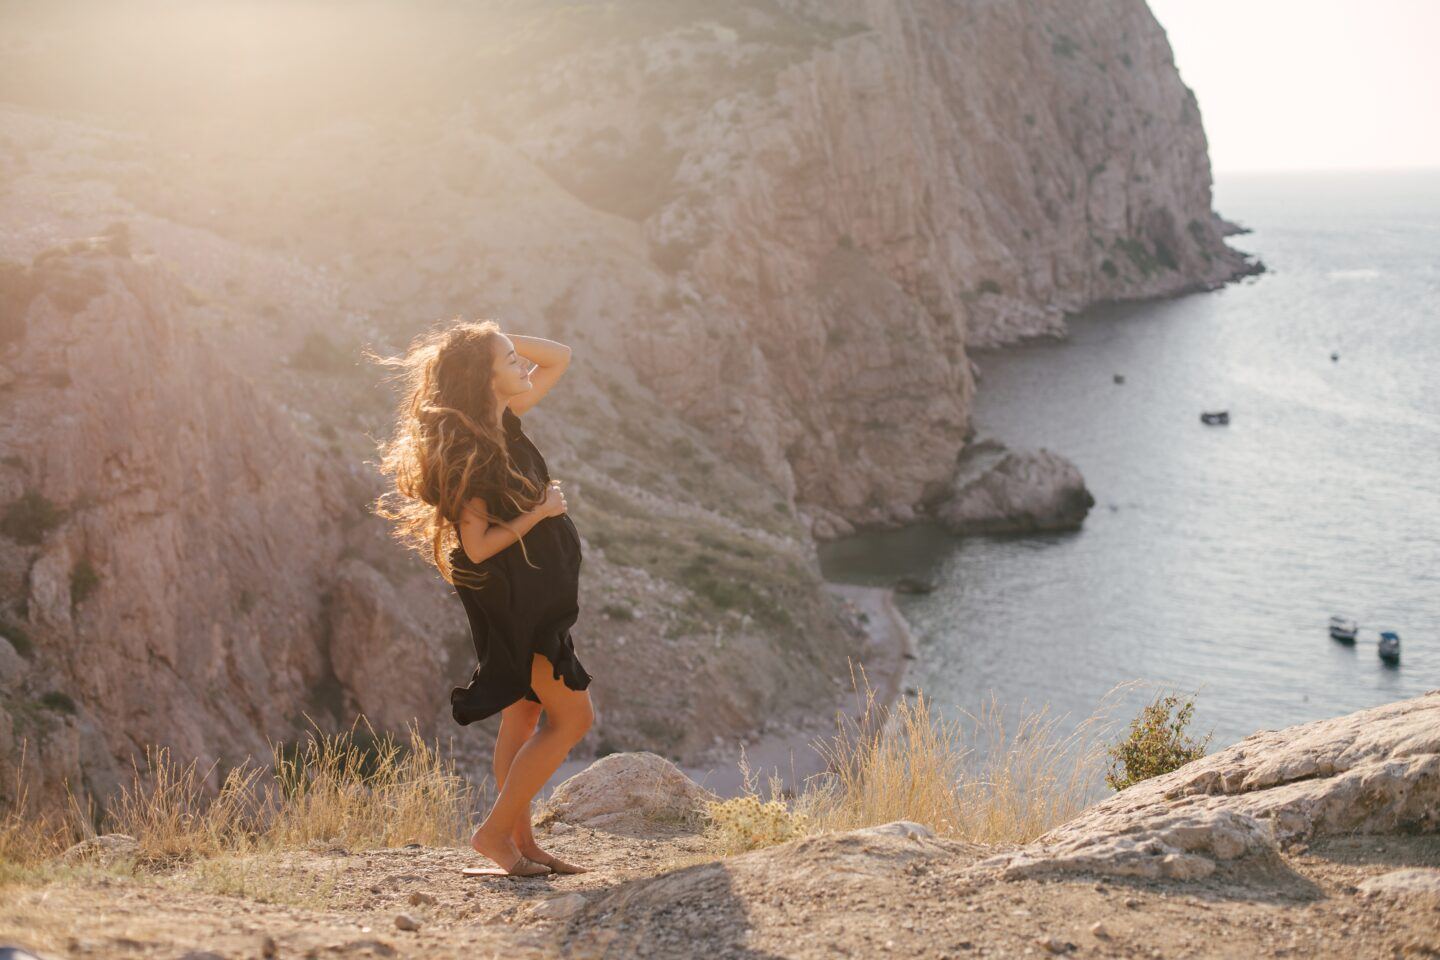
[(1311, 84)]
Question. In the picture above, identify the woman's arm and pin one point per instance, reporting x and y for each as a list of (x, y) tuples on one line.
[(481, 538), (538, 350), (551, 360)]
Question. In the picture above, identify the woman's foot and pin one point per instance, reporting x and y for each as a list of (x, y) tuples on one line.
[(525, 841), (535, 854), (503, 851)]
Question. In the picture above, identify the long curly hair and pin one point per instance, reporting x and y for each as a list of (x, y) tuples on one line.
[(446, 447)]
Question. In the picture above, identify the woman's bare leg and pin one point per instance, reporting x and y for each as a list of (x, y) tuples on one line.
[(517, 724), (568, 715)]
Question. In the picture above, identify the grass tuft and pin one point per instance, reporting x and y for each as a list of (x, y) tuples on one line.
[(972, 779)]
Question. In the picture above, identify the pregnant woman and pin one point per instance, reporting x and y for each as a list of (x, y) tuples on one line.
[(473, 495)]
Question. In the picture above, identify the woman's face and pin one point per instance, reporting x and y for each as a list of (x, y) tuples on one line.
[(512, 372)]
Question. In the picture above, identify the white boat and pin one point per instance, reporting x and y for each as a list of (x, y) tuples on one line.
[(1344, 629)]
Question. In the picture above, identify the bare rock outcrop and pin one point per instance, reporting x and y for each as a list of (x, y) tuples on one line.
[(997, 490), (169, 536), (1374, 771), (708, 902), (385, 654), (1418, 882), (623, 792)]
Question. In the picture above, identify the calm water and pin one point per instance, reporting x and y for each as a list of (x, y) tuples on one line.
[(1215, 555)]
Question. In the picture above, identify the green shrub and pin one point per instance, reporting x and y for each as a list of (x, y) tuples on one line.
[(1139, 254), (59, 702), (28, 519), (1164, 255), (18, 639), (83, 580), (747, 823), (618, 611), (19, 285), (1156, 743), (318, 352)]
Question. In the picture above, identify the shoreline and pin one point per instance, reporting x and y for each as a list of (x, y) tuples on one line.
[(787, 752)]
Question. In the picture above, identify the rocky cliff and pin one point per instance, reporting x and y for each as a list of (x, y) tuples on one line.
[(848, 195), (171, 537), (770, 231)]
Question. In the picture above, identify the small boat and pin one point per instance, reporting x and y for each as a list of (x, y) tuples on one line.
[(1119, 378), (913, 585), (1343, 629), (1217, 417), (1389, 648), (1334, 355)]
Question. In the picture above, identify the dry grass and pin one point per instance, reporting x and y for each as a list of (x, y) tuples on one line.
[(338, 791), (29, 837), (971, 779), (165, 807), (354, 788)]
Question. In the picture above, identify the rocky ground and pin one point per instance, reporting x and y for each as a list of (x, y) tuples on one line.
[(1319, 840), (857, 894)]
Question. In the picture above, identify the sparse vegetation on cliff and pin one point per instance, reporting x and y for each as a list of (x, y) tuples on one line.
[(29, 518), (1156, 743)]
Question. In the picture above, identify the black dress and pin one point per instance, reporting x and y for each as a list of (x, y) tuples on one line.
[(520, 610)]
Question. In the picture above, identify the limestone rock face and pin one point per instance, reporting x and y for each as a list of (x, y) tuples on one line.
[(169, 531), (844, 215), (997, 490), (622, 792), (385, 654), (1374, 771)]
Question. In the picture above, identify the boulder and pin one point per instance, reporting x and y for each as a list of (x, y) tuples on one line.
[(1375, 771), (625, 792), (1423, 882), (997, 490), (900, 828), (104, 849), (559, 908)]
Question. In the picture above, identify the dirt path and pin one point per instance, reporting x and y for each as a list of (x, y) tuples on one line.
[(660, 895)]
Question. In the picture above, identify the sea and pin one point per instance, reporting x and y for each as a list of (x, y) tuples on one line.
[(1215, 555)]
